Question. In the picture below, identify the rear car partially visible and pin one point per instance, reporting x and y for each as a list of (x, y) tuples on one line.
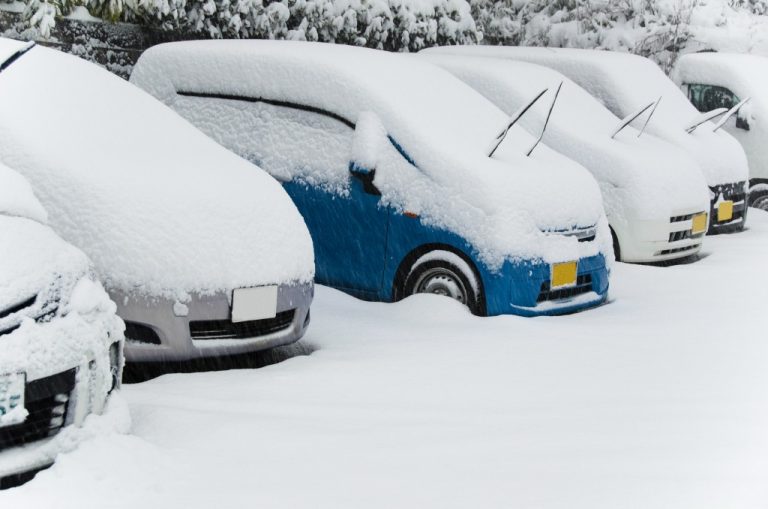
[(60, 339)]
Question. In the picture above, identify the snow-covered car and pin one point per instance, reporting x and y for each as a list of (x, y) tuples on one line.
[(655, 197), (724, 81), (628, 84), (204, 254), (388, 160), (60, 339)]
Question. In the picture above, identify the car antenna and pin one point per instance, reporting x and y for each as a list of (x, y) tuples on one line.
[(630, 118), (655, 105), (15, 55), (546, 122), (513, 120), (731, 113)]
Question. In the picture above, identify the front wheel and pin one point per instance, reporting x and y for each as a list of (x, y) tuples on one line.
[(447, 274), (759, 200)]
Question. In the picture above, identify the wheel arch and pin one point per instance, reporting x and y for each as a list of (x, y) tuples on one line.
[(401, 274)]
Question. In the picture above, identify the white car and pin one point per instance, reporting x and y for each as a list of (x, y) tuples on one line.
[(409, 180), (724, 80), (655, 197), (204, 254), (60, 339), (627, 84)]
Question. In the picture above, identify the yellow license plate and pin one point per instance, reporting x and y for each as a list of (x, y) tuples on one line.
[(699, 223), (564, 274), (725, 211)]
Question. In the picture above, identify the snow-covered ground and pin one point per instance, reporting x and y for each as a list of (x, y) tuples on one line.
[(658, 399)]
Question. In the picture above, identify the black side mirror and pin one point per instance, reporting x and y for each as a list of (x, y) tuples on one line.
[(365, 176), (742, 123)]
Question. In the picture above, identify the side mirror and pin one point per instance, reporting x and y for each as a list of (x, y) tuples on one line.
[(367, 147), (741, 121)]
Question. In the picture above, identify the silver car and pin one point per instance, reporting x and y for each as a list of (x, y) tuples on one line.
[(204, 254)]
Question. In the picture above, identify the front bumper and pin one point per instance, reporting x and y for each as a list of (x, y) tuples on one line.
[(658, 240), (55, 402), (523, 288), (163, 330)]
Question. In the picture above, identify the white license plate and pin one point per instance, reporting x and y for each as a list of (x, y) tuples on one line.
[(12, 398), (257, 303)]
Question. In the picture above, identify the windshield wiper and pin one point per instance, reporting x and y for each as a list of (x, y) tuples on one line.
[(15, 56), (513, 120), (730, 114), (704, 118), (631, 117), (655, 105), (546, 122)]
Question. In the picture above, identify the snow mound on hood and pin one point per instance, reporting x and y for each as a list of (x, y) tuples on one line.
[(499, 205), (644, 178), (624, 83), (17, 198), (160, 208)]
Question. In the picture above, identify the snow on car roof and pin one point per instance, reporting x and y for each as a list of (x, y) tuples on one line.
[(661, 178), (17, 198), (624, 83), (747, 73), (160, 208), (639, 81), (443, 125), (344, 80)]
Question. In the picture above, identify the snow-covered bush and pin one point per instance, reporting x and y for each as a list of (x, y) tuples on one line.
[(652, 28), (396, 25)]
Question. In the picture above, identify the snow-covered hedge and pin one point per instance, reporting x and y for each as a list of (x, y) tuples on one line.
[(654, 28), (658, 29), (397, 25)]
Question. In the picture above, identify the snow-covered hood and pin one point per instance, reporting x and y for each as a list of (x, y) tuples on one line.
[(159, 208), (623, 83), (499, 205), (17, 198), (38, 270), (641, 177)]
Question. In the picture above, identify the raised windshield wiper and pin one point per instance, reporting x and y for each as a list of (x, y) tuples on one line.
[(15, 55), (704, 118), (513, 120), (631, 117), (546, 122), (730, 113), (655, 105)]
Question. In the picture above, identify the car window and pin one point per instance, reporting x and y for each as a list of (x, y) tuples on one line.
[(711, 97), (288, 141)]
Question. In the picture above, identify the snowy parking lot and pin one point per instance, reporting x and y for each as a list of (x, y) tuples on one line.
[(658, 399)]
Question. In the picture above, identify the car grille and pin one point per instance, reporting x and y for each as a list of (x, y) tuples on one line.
[(678, 219), (678, 250), (581, 234), (731, 192), (46, 400), (684, 235), (226, 329), (583, 285)]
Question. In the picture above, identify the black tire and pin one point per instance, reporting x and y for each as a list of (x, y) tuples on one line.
[(759, 200), (441, 276), (616, 246)]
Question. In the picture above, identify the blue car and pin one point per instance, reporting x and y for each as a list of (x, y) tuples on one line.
[(387, 158)]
